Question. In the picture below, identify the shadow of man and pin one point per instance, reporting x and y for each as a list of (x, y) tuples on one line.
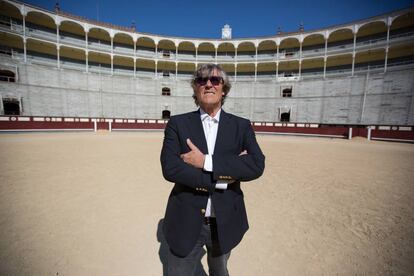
[(164, 249)]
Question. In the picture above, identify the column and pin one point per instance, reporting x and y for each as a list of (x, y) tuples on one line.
[(86, 50), (277, 53), (135, 58), (135, 67), (196, 57), (277, 70), (235, 55), (112, 64), (176, 53), (387, 48), (156, 50), (86, 60), (112, 55), (86, 40), (255, 72), (24, 39), (176, 70), (235, 72), (58, 45), (325, 57), (156, 68), (256, 55), (300, 58), (24, 26), (353, 55), (58, 55), (112, 45), (135, 48), (216, 54), (24, 49)]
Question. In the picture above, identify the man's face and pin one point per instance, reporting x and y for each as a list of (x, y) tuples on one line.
[(209, 91)]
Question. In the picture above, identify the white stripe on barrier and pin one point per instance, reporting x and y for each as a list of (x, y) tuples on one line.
[(405, 128), (24, 119), (48, 130), (299, 134), (139, 129)]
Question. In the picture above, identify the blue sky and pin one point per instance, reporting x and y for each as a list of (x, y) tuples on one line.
[(205, 19)]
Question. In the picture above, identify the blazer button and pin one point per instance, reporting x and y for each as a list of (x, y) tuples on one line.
[(203, 211)]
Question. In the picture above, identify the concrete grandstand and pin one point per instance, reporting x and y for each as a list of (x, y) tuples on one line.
[(55, 66)]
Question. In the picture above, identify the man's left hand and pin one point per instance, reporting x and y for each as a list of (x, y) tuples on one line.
[(194, 157)]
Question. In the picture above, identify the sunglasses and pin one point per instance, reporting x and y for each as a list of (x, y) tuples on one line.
[(214, 80)]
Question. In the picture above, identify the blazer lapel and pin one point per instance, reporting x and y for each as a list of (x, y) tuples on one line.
[(197, 133), (224, 129)]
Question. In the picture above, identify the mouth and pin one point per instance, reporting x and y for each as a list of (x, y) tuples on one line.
[(209, 92)]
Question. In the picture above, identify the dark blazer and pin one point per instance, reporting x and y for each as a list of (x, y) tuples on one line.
[(188, 199)]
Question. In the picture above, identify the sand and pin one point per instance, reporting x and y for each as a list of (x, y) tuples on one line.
[(92, 204)]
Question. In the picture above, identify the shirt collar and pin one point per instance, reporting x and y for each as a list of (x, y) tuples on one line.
[(204, 115)]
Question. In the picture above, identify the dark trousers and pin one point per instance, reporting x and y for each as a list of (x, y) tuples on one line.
[(187, 266)]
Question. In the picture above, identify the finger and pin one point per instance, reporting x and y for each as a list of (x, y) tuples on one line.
[(191, 145)]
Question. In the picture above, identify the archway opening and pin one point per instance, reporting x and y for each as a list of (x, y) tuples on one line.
[(6, 75), (11, 106), (166, 91), (287, 92), (285, 117), (166, 114)]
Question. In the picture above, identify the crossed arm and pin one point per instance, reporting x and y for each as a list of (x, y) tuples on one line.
[(187, 168), (195, 157)]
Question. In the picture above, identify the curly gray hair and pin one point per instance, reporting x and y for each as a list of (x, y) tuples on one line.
[(206, 70)]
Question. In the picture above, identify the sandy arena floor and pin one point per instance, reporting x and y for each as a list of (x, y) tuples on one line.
[(91, 204)]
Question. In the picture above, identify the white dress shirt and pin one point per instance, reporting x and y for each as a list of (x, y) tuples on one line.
[(210, 127)]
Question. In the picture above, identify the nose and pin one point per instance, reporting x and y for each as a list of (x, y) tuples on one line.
[(208, 83)]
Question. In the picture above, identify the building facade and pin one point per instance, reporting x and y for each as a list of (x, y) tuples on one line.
[(58, 64)]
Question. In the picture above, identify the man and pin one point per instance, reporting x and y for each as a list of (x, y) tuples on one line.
[(206, 153)]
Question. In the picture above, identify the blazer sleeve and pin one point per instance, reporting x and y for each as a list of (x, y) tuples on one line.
[(244, 167), (174, 169)]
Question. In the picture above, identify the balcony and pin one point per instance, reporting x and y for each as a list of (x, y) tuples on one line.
[(11, 25)]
